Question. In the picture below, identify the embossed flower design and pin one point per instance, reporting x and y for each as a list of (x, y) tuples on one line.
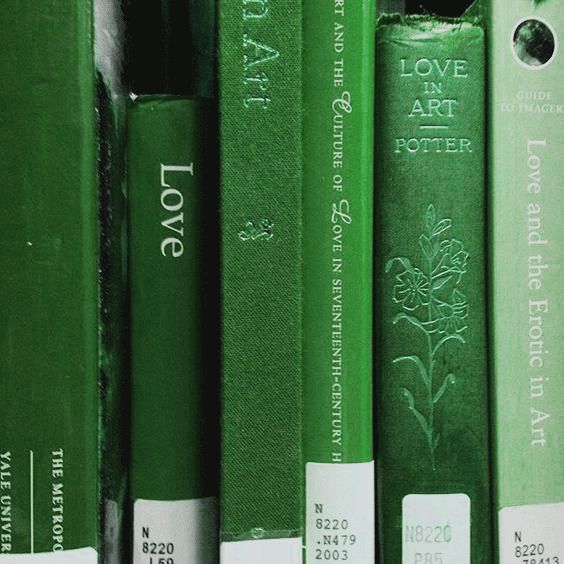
[(454, 257), (433, 284), (412, 289), (453, 315)]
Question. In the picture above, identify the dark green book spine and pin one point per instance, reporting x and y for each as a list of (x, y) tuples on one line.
[(260, 69), (62, 473), (171, 183), (433, 461)]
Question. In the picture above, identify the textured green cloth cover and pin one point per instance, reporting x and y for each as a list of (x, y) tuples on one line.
[(260, 50), (168, 306), (527, 207), (432, 389), (60, 339)]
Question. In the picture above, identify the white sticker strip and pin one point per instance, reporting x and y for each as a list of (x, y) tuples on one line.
[(436, 529), (180, 531), (532, 534), (81, 556), (340, 513), (270, 551)]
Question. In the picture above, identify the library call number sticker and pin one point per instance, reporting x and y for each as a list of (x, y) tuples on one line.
[(340, 513), (436, 529), (175, 532), (532, 534)]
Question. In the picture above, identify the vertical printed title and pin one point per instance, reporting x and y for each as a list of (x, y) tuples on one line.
[(341, 107), (258, 56)]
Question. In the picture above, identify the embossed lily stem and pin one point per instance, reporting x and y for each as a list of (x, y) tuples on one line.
[(433, 289), (431, 437)]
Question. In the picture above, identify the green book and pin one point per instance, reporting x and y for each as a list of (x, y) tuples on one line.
[(171, 183), (260, 88), (173, 251), (337, 323), (527, 290), (62, 453), (431, 349)]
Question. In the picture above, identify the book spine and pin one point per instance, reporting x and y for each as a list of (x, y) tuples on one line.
[(60, 499), (433, 412), (260, 70), (170, 175), (337, 322), (527, 207)]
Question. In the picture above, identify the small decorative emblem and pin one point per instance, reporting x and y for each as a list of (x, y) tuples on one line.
[(256, 231), (432, 303)]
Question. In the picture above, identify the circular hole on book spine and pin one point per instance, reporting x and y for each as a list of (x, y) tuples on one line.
[(534, 43)]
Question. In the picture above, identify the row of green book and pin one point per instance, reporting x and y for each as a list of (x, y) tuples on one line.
[(299, 298)]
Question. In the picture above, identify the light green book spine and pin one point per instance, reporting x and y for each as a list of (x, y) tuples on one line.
[(527, 293), (338, 184)]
